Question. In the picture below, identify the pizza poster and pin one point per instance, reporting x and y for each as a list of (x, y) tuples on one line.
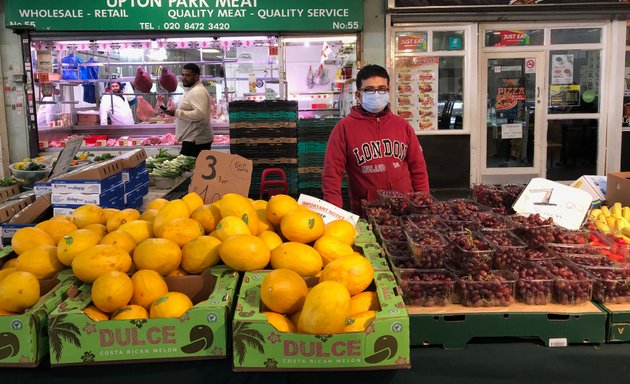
[(509, 93), (416, 93)]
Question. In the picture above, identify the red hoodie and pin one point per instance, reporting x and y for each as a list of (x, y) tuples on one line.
[(377, 152)]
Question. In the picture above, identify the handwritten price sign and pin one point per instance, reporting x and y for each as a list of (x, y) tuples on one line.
[(217, 173)]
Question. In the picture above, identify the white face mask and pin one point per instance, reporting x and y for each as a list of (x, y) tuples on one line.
[(374, 102)]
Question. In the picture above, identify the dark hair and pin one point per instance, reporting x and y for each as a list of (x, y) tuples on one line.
[(371, 70), (192, 67)]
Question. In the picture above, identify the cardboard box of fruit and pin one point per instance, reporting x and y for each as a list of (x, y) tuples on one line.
[(259, 346), (200, 333), (23, 337)]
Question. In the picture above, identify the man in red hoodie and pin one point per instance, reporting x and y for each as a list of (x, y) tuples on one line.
[(377, 149)]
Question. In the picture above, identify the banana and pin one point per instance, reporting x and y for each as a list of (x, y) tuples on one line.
[(595, 213), (626, 212), (605, 210), (611, 221), (616, 209), (621, 223), (603, 227), (626, 231)]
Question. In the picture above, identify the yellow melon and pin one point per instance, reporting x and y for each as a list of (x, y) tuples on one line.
[(70, 245), (208, 216), (30, 237), (325, 310), (40, 261), (342, 230), (109, 212), (260, 205), (172, 304), (278, 206), (283, 291), (138, 229), (179, 271), (57, 228), (130, 312), (99, 229), (174, 209), (149, 215), (302, 225), (93, 261), (354, 272), (364, 301), (122, 217), (95, 314), (233, 204), (331, 248), (61, 217), (358, 322), (111, 291), (88, 214), (157, 203), (201, 253), (298, 257), (182, 231), (193, 201), (6, 271), (161, 255), (148, 286), (244, 253), (120, 239), (272, 239), (263, 223), (230, 226), (18, 291), (280, 322), (9, 264)]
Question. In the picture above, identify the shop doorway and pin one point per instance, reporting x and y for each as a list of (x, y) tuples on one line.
[(512, 118)]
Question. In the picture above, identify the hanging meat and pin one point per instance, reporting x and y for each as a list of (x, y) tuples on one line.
[(142, 81), (144, 110), (159, 102), (168, 80)]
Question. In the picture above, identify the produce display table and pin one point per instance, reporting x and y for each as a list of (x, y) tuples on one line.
[(502, 361)]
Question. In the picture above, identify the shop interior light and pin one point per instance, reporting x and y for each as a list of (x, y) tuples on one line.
[(343, 39), (307, 43)]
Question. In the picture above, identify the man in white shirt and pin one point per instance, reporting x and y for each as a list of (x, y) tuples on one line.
[(192, 117), (115, 106)]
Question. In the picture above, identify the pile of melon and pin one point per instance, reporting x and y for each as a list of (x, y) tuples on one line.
[(125, 255)]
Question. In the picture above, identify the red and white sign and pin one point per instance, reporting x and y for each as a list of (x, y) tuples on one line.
[(530, 65)]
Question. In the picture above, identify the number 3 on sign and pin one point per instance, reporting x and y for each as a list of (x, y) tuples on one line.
[(212, 161)]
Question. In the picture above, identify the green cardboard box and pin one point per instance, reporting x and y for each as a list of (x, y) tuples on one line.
[(201, 333), (454, 325), (374, 253), (24, 338), (364, 233), (618, 324), (258, 346)]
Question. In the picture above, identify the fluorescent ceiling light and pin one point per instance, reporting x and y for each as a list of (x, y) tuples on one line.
[(343, 39)]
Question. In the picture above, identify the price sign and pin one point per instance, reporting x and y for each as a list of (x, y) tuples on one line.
[(217, 173), (566, 205), (62, 165)]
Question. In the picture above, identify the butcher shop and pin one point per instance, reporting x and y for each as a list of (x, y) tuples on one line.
[(110, 79)]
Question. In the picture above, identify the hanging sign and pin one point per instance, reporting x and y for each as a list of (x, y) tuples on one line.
[(185, 15), (411, 41)]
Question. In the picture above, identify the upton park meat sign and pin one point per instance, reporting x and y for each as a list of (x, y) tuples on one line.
[(188, 15)]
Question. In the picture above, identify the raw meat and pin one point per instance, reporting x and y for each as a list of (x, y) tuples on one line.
[(159, 101), (142, 81), (144, 110), (168, 80)]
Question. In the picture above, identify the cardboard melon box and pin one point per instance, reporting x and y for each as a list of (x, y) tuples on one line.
[(258, 346), (201, 333), (24, 338)]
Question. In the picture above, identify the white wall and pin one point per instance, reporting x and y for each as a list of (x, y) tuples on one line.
[(374, 32)]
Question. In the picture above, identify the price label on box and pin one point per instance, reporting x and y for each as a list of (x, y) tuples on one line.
[(217, 173)]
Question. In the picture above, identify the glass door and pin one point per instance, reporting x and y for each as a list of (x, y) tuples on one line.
[(513, 87)]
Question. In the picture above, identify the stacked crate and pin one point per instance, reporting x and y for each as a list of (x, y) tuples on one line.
[(265, 133), (312, 135)]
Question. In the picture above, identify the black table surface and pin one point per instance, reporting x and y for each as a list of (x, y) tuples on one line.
[(483, 361)]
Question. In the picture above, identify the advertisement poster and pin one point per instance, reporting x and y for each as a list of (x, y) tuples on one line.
[(416, 93), (561, 69), (510, 38), (564, 95), (509, 93), (411, 41)]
